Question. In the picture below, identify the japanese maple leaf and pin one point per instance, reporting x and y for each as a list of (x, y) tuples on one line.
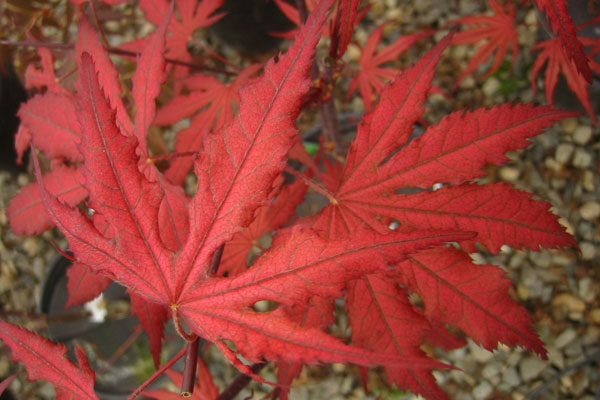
[(46, 360), (552, 52), (371, 76), (381, 160), (231, 188), (498, 32), (26, 212), (210, 103), (565, 31), (383, 320), (192, 14)]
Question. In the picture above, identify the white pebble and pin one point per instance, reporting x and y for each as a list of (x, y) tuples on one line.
[(582, 134), (563, 152), (531, 368), (590, 210), (582, 159)]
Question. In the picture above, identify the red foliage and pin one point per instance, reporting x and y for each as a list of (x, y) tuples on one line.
[(374, 243)]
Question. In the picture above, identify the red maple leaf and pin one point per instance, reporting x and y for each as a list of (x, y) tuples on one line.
[(192, 14), (46, 360), (498, 31), (211, 104), (371, 77), (382, 160), (231, 188), (552, 51), (565, 31)]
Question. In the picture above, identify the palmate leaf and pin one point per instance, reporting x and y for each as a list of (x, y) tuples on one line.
[(551, 51), (46, 360), (453, 151), (498, 31), (371, 77), (565, 31), (382, 160), (235, 174)]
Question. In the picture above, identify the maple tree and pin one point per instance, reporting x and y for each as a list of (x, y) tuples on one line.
[(402, 213)]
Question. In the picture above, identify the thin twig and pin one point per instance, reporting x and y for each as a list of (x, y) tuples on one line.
[(240, 383), (593, 357), (113, 50), (156, 374)]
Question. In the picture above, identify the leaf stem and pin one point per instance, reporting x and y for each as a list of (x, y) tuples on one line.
[(189, 370), (240, 383), (156, 374), (313, 185), (188, 337)]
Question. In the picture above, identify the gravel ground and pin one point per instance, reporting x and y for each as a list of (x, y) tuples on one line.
[(559, 287)]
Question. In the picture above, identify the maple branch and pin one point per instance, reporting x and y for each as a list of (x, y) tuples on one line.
[(331, 129), (158, 373), (240, 382), (189, 370), (114, 50)]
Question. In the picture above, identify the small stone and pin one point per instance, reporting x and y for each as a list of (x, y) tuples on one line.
[(353, 52), (31, 246), (511, 377), (509, 174), (531, 368), (582, 159), (595, 315), (23, 179), (569, 125), (590, 210), (588, 181), (531, 18), (482, 391), (480, 354), (541, 258), (582, 134), (555, 356), (563, 152), (490, 87), (586, 289), (565, 337), (569, 301), (523, 292), (490, 370), (467, 83)]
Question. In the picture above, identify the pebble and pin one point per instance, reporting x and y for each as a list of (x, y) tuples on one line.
[(595, 315), (588, 181), (569, 125), (590, 210), (491, 86), (582, 159), (565, 338), (570, 301), (511, 377), (563, 152), (482, 391), (510, 174), (587, 289), (531, 368), (582, 134)]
